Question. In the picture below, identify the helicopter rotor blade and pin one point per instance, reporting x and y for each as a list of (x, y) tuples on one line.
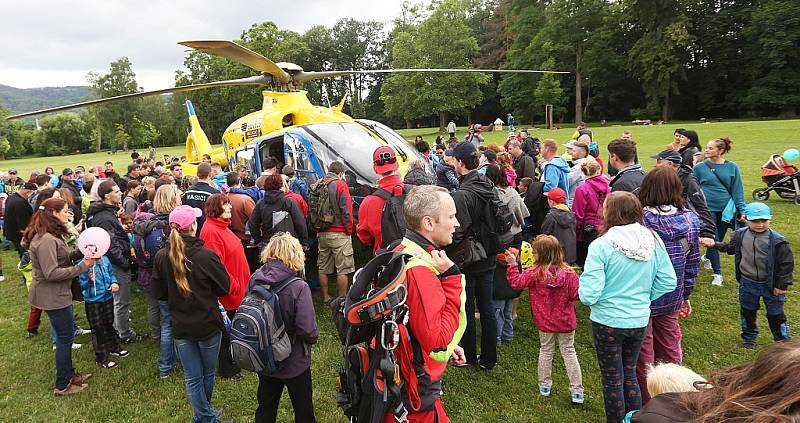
[(310, 76), (253, 80), (239, 54)]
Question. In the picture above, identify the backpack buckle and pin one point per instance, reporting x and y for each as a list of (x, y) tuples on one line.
[(390, 335)]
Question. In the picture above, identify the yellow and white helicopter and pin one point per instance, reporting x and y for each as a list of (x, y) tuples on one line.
[(288, 127)]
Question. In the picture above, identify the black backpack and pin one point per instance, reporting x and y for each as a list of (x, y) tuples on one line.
[(393, 222), (531, 146), (495, 231)]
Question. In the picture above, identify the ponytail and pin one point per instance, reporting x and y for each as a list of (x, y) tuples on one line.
[(178, 260), (723, 144)]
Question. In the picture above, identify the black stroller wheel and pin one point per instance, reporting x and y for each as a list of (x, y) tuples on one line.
[(797, 200), (761, 194)]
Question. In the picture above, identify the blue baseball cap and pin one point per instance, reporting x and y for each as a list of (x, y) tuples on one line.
[(757, 211)]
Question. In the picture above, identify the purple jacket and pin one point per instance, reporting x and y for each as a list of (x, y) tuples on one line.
[(298, 315), (588, 204), (680, 231)]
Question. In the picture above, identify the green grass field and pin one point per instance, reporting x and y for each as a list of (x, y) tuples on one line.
[(133, 391)]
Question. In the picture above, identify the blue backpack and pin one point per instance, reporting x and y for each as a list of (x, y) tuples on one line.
[(146, 246), (259, 341)]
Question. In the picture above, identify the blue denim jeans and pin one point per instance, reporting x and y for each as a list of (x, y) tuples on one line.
[(166, 357), (712, 253), (750, 294), (53, 336), (62, 323), (479, 289), (199, 360), (505, 326)]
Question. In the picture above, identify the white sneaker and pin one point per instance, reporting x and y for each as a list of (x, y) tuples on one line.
[(2, 278), (74, 346), (81, 331), (706, 262), (716, 280)]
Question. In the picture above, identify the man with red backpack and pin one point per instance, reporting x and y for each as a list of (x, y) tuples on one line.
[(435, 301), (370, 214)]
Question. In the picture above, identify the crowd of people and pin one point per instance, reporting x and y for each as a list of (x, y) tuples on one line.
[(625, 242)]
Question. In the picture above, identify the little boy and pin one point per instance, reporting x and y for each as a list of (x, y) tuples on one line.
[(98, 283), (764, 266), (560, 222)]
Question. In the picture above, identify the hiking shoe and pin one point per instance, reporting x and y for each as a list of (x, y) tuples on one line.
[(79, 378), (108, 364), (577, 397), (706, 262), (750, 345), (31, 334), (69, 390), (132, 338), (716, 280), (163, 375), (544, 390), (80, 331), (120, 353)]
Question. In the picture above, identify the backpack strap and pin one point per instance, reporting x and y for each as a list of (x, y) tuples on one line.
[(276, 289)]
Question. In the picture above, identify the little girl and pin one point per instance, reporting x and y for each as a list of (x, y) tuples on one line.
[(553, 292), (98, 283)]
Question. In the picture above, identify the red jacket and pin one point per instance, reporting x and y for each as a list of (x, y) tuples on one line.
[(371, 211), (221, 240), (342, 204), (300, 202), (553, 295), (434, 304)]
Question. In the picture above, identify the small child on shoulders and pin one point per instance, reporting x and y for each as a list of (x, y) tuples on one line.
[(764, 266), (98, 283), (553, 291), (560, 222)]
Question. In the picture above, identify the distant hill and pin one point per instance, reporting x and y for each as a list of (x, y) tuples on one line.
[(20, 100)]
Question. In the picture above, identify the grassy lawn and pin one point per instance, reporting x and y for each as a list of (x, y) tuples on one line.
[(133, 391)]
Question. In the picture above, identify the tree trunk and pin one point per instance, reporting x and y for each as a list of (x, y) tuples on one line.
[(442, 121), (99, 139), (665, 107), (578, 100), (408, 123), (588, 99)]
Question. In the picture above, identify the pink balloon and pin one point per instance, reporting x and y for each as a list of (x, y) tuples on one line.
[(94, 242)]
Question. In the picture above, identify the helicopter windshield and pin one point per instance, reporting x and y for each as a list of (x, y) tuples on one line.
[(402, 145), (350, 143)]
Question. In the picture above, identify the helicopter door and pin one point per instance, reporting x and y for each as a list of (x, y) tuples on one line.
[(298, 153)]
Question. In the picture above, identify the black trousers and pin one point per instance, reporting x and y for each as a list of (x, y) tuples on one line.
[(270, 390), (104, 336), (227, 368)]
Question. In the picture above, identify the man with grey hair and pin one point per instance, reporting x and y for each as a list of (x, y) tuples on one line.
[(523, 164), (436, 314)]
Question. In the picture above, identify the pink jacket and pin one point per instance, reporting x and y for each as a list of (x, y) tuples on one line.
[(588, 204), (553, 293)]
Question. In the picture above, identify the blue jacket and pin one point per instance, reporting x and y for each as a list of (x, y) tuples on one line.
[(556, 175), (626, 269), (98, 290), (253, 192), (780, 265), (299, 186), (680, 231)]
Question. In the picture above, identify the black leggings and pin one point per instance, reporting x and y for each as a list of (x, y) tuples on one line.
[(617, 354), (270, 390)]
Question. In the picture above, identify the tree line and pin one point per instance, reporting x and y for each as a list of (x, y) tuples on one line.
[(628, 59)]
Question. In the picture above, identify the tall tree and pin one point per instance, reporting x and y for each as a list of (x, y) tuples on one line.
[(119, 80), (63, 133), (443, 40), (658, 57)]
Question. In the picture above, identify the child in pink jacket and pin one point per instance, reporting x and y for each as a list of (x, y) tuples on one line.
[(553, 291)]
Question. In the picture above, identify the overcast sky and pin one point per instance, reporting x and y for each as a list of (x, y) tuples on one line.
[(56, 43)]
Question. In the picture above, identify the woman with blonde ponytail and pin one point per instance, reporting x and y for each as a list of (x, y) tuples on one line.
[(190, 278)]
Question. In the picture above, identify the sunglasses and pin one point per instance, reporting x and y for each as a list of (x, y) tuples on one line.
[(384, 158)]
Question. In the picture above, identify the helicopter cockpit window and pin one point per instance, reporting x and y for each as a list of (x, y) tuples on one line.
[(350, 143), (245, 158)]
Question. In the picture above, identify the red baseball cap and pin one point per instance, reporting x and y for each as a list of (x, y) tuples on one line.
[(557, 195), (384, 160)]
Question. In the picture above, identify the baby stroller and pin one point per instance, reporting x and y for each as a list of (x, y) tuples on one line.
[(781, 177)]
